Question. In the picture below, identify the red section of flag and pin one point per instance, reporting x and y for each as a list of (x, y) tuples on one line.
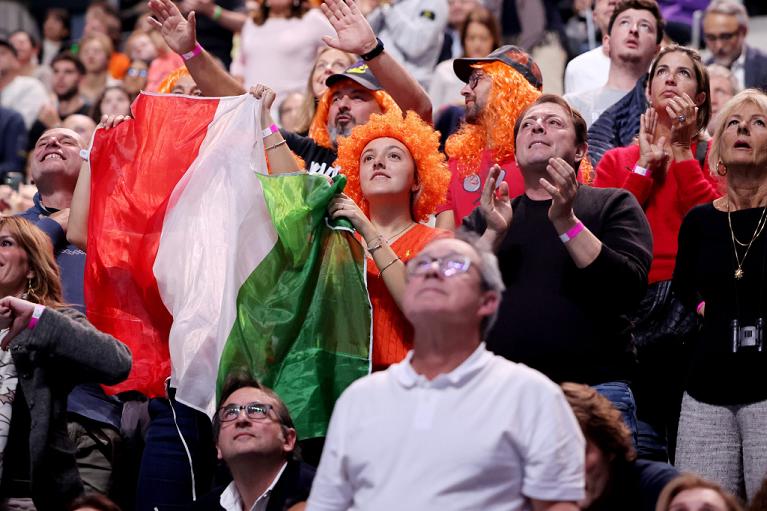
[(134, 169)]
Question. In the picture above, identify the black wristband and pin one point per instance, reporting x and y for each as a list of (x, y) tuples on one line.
[(374, 52)]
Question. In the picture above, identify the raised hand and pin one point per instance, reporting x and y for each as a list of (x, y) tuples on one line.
[(354, 32), (343, 206), (112, 121), (179, 33), (684, 120), (204, 6), (496, 204), (652, 153), (263, 92), (562, 186)]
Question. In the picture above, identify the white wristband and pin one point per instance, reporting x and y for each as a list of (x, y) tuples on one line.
[(640, 170)]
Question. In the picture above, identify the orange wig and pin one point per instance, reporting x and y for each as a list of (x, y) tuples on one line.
[(318, 130), (511, 95), (423, 144), (170, 81)]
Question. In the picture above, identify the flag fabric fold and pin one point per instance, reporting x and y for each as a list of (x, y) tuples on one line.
[(222, 268)]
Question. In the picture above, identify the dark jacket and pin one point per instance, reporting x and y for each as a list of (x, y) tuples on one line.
[(62, 350), (293, 487), (756, 68), (619, 124), (13, 141)]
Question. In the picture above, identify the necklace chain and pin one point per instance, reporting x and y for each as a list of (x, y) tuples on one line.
[(408, 226), (735, 241)]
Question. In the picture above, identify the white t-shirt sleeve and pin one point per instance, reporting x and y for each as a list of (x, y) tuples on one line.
[(332, 489), (554, 448)]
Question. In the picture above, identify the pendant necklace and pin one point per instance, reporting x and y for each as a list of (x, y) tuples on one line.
[(735, 241)]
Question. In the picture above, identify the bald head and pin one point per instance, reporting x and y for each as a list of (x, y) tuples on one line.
[(83, 125), (56, 160)]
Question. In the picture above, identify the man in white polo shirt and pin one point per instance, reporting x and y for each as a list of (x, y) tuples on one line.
[(452, 427)]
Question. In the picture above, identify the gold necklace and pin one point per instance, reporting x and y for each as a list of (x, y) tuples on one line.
[(408, 226), (735, 242)]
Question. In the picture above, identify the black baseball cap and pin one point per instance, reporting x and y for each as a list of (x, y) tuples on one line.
[(358, 72), (510, 55), (5, 42)]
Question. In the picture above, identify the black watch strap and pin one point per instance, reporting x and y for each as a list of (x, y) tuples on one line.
[(374, 52)]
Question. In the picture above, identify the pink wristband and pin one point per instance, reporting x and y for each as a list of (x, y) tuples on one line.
[(572, 233), (193, 53), (35, 316), (700, 306), (271, 130)]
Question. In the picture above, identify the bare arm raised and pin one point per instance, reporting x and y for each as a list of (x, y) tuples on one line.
[(180, 35), (354, 35)]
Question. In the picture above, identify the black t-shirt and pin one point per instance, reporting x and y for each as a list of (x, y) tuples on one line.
[(705, 270), (16, 480), (571, 323), (316, 157)]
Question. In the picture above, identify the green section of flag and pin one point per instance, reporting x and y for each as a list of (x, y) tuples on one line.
[(303, 316)]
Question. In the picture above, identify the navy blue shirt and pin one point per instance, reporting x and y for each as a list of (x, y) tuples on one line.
[(87, 400)]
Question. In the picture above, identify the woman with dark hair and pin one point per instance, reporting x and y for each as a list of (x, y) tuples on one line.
[(721, 270), (667, 173), (47, 349), (278, 41), (115, 100)]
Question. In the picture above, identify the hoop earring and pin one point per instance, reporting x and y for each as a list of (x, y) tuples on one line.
[(721, 168)]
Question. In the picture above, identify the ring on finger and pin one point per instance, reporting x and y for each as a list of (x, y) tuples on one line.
[(682, 118)]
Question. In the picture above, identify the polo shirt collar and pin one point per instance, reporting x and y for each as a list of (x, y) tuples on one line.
[(408, 377)]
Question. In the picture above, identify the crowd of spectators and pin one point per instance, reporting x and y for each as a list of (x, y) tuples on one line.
[(561, 205)]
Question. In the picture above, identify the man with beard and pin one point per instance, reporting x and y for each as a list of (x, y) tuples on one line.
[(498, 87), (378, 84), (725, 25), (632, 40), (67, 73)]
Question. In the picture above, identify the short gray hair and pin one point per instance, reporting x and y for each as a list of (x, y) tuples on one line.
[(728, 8), (489, 272), (723, 72)]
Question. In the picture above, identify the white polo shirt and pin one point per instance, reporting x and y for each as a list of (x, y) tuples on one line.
[(488, 435)]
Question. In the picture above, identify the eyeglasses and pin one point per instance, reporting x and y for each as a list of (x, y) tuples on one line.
[(132, 71), (254, 411), (448, 266), (724, 37), (475, 78)]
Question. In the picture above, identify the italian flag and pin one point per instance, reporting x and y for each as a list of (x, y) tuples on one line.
[(204, 264)]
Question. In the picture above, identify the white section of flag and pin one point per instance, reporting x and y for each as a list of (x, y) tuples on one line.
[(216, 231)]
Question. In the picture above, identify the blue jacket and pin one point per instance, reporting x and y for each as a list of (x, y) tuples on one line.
[(13, 141), (619, 124)]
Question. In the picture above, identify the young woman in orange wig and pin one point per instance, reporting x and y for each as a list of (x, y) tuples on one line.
[(396, 178)]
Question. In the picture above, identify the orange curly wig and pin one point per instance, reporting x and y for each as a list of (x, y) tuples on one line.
[(170, 81), (318, 130), (510, 96), (422, 142)]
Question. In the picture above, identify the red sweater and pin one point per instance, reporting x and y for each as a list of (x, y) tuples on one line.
[(665, 197)]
